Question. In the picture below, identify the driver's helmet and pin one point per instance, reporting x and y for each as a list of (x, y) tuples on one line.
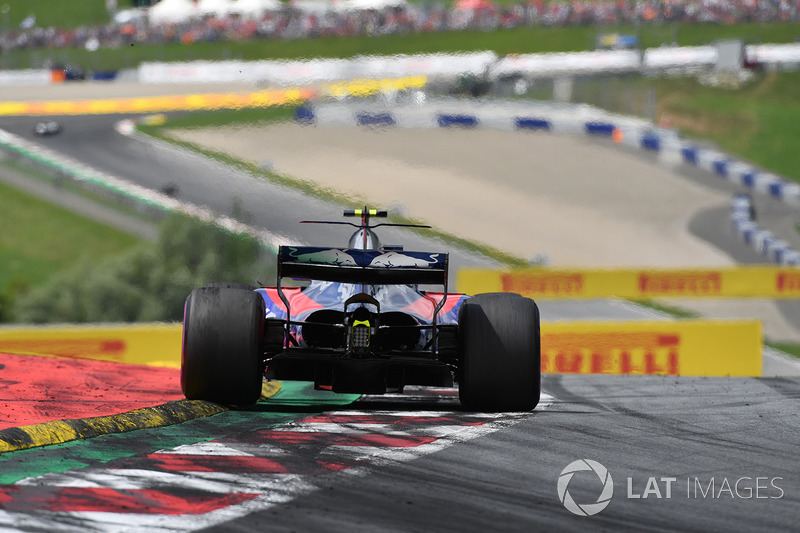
[(357, 241)]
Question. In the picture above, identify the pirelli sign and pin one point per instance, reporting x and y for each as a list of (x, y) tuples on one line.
[(667, 348), (680, 283), (566, 285), (154, 344), (552, 284)]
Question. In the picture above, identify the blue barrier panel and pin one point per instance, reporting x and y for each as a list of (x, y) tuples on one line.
[(721, 167), (749, 179), (375, 119), (104, 76), (650, 141), (305, 115), (776, 189), (689, 154), (463, 121), (599, 128), (525, 123)]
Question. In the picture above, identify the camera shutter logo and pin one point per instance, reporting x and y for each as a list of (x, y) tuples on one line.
[(586, 509)]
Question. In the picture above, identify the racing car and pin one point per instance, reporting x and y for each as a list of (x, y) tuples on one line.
[(46, 127), (367, 319)]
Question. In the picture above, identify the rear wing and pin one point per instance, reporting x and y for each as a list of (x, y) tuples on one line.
[(368, 267)]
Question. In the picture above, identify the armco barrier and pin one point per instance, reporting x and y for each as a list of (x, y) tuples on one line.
[(451, 66), (156, 344), (691, 347), (686, 348), (562, 284), (319, 70), (24, 77)]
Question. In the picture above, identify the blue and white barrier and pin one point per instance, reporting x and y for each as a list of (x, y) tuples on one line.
[(580, 119), (457, 113), (763, 241)]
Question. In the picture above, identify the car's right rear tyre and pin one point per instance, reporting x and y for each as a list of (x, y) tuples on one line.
[(222, 359), (499, 353)]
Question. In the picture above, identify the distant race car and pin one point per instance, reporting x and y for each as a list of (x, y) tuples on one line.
[(49, 127), (362, 324)]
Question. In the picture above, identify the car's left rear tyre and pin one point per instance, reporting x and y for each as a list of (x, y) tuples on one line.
[(222, 360)]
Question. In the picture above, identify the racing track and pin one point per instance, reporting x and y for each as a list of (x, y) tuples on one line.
[(638, 427), (421, 464)]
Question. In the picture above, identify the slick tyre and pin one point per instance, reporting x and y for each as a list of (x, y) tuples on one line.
[(222, 360), (499, 353)]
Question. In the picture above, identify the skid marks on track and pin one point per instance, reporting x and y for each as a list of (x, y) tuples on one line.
[(195, 486)]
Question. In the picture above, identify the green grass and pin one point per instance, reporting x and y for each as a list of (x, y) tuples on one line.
[(39, 240), (245, 117), (671, 310), (506, 41), (758, 121), (58, 13), (789, 349), (69, 186)]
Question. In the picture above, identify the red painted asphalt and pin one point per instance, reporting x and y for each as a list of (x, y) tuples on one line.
[(43, 389)]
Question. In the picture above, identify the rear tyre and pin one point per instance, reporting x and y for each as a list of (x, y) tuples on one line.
[(222, 360), (499, 353)]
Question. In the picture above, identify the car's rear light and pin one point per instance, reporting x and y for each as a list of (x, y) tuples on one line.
[(360, 336)]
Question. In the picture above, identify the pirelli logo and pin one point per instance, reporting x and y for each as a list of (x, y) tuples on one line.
[(680, 284), (89, 348), (788, 282), (544, 284), (611, 353)]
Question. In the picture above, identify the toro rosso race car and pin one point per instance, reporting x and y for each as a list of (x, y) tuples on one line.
[(361, 324)]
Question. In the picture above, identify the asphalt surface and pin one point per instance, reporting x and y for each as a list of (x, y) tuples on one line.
[(640, 427), (740, 434)]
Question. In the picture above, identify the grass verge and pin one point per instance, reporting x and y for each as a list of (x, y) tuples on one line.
[(789, 349), (41, 239), (69, 186), (58, 13), (757, 121)]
